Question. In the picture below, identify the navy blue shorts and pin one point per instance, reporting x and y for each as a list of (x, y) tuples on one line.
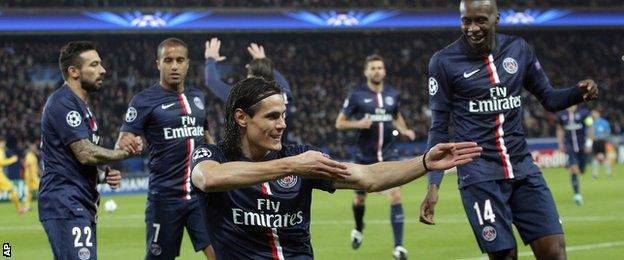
[(492, 207), (72, 238), (165, 222), (576, 158)]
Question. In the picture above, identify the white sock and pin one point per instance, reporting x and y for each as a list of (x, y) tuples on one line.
[(595, 166)]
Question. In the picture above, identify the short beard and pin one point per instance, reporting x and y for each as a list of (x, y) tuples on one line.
[(90, 87)]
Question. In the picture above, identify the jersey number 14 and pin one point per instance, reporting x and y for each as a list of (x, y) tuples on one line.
[(488, 213)]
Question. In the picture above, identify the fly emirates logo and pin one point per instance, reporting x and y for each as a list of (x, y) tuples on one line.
[(267, 215), (188, 129), (499, 101)]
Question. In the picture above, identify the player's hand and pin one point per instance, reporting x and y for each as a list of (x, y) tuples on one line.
[(409, 133), (131, 144), (365, 123), (589, 89), (448, 155), (256, 51), (316, 165), (212, 50), (427, 207), (113, 178), (561, 148)]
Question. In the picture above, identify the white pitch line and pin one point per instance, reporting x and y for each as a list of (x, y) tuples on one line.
[(568, 249)]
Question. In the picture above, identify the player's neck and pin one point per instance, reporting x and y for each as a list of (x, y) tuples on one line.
[(252, 153), (177, 88), (377, 88), (78, 90)]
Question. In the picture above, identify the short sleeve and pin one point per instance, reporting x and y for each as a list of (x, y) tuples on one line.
[(136, 115), (206, 152), (349, 107), (68, 121)]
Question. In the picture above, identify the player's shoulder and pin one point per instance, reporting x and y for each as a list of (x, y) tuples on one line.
[(449, 50), (511, 40), (62, 97), (207, 151)]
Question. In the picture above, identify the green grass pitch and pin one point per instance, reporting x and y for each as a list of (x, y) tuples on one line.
[(593, 231)]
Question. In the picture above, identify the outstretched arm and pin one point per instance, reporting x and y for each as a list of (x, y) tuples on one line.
[(385, 175), (90, 154), (212, 77), (212, 176)]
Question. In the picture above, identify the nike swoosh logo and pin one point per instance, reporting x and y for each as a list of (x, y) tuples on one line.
[(368, 100), (468, 74), (167, 106)]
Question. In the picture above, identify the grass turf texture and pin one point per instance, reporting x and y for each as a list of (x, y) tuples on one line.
[(593, 231)]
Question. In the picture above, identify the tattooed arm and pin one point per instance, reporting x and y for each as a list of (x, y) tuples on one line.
[(88, 153)]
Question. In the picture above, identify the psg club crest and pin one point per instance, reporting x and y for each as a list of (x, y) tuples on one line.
[(433, 86), (198, 103), (489, 233), (510, 65), (73, 118), (84, 254), (288, 181), (155, 249), (389, 100)]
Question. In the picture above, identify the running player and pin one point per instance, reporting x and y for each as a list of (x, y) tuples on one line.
[(373, 110), (478, 80), (31, 175), (5, 183), (172, 118), (571, 137), (256, 193)]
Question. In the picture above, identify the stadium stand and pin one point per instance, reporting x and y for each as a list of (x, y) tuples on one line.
[(321, 68)]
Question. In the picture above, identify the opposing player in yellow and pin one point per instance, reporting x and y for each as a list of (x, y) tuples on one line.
[(31, 175), (5, 183)]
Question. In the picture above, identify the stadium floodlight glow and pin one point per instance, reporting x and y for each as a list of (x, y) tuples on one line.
[(351, 18), (139, 20), (530, 16)]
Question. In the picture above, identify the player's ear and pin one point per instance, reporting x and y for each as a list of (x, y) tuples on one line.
[(241, 117), (73, 72), (497, 18)]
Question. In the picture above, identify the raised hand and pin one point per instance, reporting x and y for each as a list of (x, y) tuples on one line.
[(589, 88), (256, 51), (313, 164), (448, 155), (212, 50)]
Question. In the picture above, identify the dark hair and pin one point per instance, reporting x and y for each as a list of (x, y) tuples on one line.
[(70, 55), (171, 42), (246, 95), (371, 58), (261, 68)]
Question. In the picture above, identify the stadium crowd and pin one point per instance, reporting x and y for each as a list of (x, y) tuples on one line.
[(321, 69), (301, 3)]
